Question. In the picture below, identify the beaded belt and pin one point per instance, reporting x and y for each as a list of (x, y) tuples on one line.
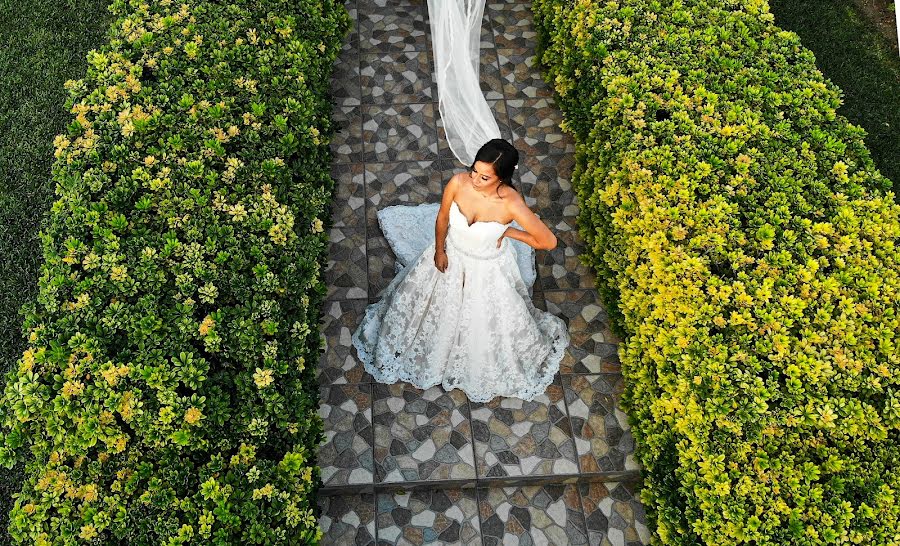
[(486, 256)]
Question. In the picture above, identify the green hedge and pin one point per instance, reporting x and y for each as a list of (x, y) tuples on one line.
[(748, 250), (168, 392)]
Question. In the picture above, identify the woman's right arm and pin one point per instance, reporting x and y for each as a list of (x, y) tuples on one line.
[(442, 223)]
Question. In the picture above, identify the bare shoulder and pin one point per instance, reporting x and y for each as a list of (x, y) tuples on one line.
[(453, 185), (513, 200), (456, 180), (451, 189)]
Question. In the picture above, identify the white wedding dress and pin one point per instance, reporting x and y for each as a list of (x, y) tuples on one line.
[(472, 327)]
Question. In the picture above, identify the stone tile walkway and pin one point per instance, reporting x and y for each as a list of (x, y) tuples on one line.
[(406, 466)]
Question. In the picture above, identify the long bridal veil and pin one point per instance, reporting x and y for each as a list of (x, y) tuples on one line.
[(456, 45)]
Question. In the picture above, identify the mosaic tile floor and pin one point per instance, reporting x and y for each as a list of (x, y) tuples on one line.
[(405, 466)]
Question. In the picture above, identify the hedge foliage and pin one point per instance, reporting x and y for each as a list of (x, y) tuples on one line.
[(168, 392), (748, 250)]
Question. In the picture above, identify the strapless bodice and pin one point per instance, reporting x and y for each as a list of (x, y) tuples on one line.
[(478, 240), (409, 230)]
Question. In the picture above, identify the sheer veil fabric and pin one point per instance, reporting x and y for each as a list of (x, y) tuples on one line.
[(456, 47)]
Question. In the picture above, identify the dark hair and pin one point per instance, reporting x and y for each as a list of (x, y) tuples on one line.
[(503, 156)]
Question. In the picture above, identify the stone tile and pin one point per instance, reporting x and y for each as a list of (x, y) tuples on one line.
[(445, 168), (346, 142), (346, 274), (382, 265), (400, 183), (487, 30), (561, 268), (613, 514), (345, 84), (536, 514), (430, 516), (601, 430), (520, 74), (498, 107), (421, 435), (535, 126), (347, 520), (396, 77), (513, 24), (593, 347), (350, 6), (404, 132), (514, 437), (545, 182), (489, 75), (579, 360), (348, 209), (352, 36), (339, 364), (537, 298), (394, 30), (391, 6), (346, 455)]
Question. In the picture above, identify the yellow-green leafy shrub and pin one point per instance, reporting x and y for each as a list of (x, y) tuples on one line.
[(748, 250), (168, 394)]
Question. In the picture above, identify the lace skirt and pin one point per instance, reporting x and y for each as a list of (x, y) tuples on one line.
[(471, 327)]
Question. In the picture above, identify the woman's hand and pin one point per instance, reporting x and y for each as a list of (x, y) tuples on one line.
[(500, 240), (440, 260)]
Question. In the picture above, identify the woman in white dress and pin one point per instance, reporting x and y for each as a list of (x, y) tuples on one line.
[(459, 313)]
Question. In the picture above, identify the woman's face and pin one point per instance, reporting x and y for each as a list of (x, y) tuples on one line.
[(483, 174)]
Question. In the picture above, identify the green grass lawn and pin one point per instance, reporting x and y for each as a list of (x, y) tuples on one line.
[(42, 44), (852, 54)]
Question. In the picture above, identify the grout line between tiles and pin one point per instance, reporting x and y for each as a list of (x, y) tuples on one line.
[(362, 153), (472, 435), (562, 381), (478, 507), (495, 482)]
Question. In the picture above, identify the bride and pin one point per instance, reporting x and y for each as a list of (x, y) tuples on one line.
[(459, 310), (460, 313)]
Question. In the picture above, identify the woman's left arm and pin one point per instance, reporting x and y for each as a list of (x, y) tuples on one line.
[(536, 234)]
